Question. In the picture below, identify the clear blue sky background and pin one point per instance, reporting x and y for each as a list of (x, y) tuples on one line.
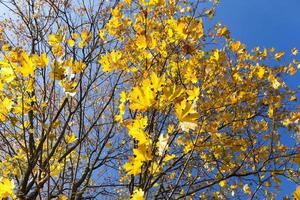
[(265, 23)]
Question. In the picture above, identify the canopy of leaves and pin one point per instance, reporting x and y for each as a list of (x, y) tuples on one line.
[(140, 99)]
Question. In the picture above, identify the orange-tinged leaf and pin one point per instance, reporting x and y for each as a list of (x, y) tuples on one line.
[(296, 194), (186, 112), (142, 153), (260, 72), (279, 55), (246, 189)]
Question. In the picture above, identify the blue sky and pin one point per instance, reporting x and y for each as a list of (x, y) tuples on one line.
[(265, 23), (262, 22)]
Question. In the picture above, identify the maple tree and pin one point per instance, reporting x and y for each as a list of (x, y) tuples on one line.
[(140, 100)]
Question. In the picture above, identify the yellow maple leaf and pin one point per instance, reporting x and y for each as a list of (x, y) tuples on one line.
[(156, 2), (70, 138), (141, 42), (141, 98), (274, 82), (169, 157), (54, 39), (133, 166), (180, 29), (193, 93), (112, 61), (142, 153), (44, 61), (7, 74), (138, 194), (123, 99), (136, 129), (6, 47), (78, 66), (236, 47), (156, 83), (128, 2), (85, 38), (152, 43), (293, 98), (58, 50), (260, 72), (279, 55), (296, 194), (63, 197), (101, 34), (56, 168), (70, 42), (6, 188), (171, 93), (216, 55), (58, 71), (186, 112), (223, 31), (27, 67), (41, 61), (291, 70)]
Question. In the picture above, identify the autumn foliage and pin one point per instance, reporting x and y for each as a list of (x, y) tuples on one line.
[(141, 100)]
